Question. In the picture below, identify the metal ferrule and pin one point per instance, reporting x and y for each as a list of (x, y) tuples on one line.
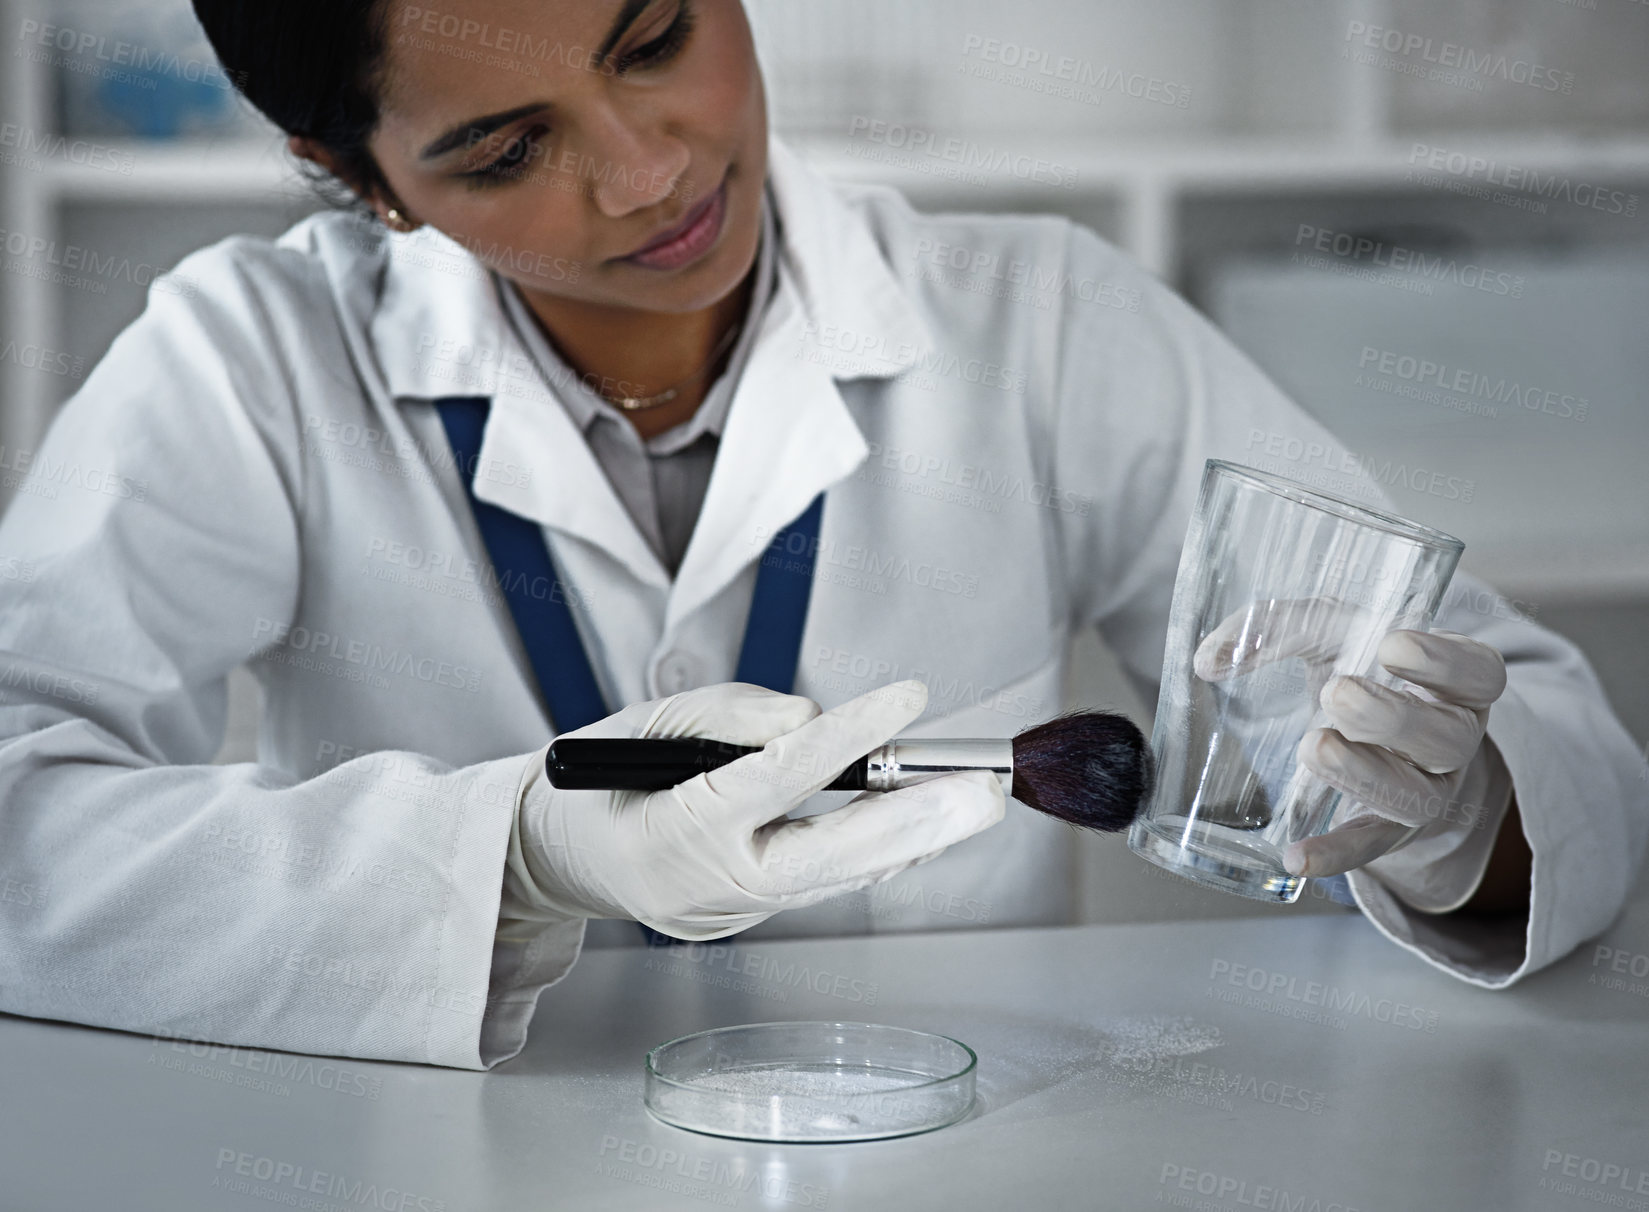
[(904, 763)]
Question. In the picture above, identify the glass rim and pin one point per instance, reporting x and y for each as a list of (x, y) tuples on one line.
[(1350, 511), (654, 1074)]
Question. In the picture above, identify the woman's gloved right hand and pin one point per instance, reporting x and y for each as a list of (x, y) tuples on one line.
[(715, 855)]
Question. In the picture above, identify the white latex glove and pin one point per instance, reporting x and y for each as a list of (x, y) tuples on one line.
[(715, 855), (1428, 789)]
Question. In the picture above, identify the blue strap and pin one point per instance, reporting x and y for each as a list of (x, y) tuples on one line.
[(778, 608), (521, 561), (522, 566)]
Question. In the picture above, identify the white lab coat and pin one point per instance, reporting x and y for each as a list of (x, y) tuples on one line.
[(254, 474)]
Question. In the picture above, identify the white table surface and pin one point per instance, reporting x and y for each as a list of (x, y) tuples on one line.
[(1519, 1099)]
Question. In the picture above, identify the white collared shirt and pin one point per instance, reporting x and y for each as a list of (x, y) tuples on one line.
[(662, 479)]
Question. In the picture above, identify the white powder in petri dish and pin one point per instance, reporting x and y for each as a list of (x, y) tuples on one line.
[(819, 1085), (803, 1101)]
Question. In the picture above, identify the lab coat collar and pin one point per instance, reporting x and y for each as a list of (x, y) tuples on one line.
[(843, 278), (440, 330), (789, 434)]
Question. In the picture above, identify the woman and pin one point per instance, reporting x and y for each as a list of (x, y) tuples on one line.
[(547, 437)]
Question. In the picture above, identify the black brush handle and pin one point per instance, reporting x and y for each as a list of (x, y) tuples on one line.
[(652, 763)]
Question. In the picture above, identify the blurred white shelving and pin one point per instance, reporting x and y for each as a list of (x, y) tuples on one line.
[(1147, 180), (1150, 181), (196, 170)]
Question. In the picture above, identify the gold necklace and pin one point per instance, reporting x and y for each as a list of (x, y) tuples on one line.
[(639, 403)]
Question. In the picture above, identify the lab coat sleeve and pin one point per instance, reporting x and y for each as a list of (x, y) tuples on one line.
[(155, 543), (1146, 393)]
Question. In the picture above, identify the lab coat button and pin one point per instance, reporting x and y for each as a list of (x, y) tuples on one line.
[(677, 672)]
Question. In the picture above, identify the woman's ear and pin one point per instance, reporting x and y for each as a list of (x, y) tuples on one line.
[(305, 148)]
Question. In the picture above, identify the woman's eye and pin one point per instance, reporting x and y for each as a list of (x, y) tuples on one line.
[(508, 165), (663, 48)]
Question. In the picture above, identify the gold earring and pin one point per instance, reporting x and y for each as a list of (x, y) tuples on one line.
[(397, 220)]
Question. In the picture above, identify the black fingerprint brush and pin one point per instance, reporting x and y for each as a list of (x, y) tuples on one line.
[(1090, 768)]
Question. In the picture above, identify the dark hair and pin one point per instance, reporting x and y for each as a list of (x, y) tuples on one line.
[(313, 67)]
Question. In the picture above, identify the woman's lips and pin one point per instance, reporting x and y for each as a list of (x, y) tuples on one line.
[(690, 240)]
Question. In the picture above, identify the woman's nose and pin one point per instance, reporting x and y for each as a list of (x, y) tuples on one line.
[(636, 169)]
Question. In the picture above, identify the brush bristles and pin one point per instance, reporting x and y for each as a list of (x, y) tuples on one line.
[(1090, 768)]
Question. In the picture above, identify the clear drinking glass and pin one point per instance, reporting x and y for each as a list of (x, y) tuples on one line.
[(1280, 588)]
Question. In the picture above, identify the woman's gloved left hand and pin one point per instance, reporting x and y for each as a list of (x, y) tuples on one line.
[(1428, 789)]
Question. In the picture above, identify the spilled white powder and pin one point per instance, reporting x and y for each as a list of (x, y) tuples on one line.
[(1146, 1041)]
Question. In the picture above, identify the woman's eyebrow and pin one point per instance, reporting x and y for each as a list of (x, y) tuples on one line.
[(626, 17), (465, 131), (462, 133)]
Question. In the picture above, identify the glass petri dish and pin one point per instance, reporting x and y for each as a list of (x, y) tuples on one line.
[(811, 1081)]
